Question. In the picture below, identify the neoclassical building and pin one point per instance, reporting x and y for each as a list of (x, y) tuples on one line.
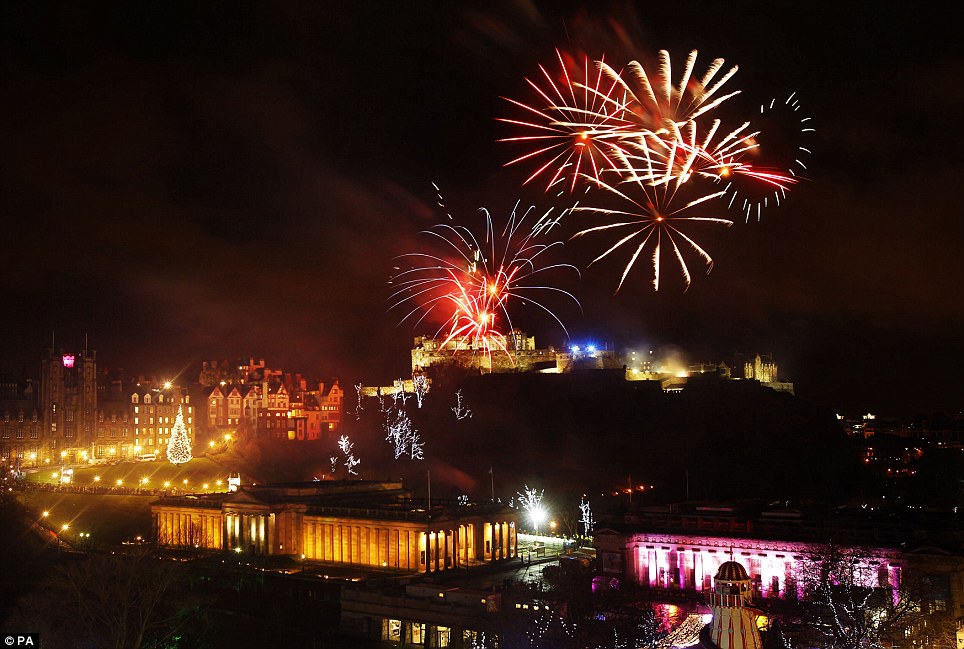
[(350, 522)]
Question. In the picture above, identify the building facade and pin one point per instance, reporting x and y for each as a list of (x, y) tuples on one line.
[(354, 523), (21, 425)]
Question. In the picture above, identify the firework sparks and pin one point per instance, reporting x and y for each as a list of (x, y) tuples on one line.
[(658, 104), (473, 285), (651, 221), (577, 121), (655, 144), (783, 133)]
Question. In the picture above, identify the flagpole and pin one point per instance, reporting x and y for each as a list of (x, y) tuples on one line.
[(492, 479), (429, 474)]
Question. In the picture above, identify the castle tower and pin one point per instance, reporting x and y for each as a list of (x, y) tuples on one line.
[(734, 621)]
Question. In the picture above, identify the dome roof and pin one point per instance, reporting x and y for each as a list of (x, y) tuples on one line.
[(732, 571)]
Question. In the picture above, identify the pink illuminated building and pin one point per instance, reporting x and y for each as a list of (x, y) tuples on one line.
[(687, 563)]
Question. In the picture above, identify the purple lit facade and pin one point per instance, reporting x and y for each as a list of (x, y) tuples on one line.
[(684, 563)]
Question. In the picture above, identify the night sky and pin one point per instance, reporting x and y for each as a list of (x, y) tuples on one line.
[(190, 181)]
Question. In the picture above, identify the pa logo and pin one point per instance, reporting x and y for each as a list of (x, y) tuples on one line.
[(21, 640)]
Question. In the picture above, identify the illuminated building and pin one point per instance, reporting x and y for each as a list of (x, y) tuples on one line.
[(521, 356), (286, 410), (428, 615), (357, 523), (20, 423), (68, 403), (679, 552), (764, 369), (137, 421)]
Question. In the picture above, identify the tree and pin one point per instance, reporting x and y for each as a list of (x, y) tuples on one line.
[(849, 604), (179, 446), (111, 602)]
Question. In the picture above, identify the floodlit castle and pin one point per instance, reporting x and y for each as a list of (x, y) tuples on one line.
[(520, 355)]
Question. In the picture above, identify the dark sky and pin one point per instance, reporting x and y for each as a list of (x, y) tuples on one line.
[(186, 181)]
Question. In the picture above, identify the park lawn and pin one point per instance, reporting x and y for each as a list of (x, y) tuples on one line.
[(198, 472), (109, 519)]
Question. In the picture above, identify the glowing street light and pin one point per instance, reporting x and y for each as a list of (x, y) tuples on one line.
[(96, 478), (46, 513), (119, 482)]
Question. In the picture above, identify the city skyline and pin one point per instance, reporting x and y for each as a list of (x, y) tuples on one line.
[(186, 184)]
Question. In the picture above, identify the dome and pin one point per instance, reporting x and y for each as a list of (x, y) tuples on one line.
[(732, 571)]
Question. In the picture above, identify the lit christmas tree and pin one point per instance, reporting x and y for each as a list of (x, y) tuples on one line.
[(179, 446)]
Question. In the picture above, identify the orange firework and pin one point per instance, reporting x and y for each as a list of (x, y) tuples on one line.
[(577, 122), (652, 219), (474, 285)]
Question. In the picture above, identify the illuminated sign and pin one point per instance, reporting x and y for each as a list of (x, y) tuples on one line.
[(68, 360)]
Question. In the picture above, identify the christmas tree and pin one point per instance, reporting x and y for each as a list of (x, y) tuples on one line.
[(179, 446)]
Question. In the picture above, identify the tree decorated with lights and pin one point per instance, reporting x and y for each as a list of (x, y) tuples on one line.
[(179, 446)]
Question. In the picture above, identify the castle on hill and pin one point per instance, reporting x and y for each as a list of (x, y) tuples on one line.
[(521, 355)]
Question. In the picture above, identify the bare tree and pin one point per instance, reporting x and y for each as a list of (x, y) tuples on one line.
[(849, 604), (110, 602)]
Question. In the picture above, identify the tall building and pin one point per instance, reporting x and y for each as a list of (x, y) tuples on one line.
[(68, 402)]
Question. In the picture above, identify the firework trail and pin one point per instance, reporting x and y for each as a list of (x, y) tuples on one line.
[(782, 135), (651, 220), (657, 104), (662, 152), (472, 282), (577, 121)]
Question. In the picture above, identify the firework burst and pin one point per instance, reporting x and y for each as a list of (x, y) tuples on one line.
[(657, 104), (781, 134), (472, 282), (578, 121), (652, 220)]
